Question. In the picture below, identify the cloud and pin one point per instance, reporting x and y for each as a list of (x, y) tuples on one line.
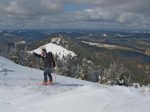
[(52, 13), (30, 7)]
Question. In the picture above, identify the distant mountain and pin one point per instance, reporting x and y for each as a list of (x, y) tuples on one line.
[(27, 35), (55, 49), (30, 35)]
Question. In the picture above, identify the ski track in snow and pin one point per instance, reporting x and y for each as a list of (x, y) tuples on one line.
[(18, 93)]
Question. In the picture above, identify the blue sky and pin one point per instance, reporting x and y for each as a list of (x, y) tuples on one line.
[(75, 7), (75, 14)]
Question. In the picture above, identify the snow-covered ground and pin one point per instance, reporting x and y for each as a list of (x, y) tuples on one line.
[(19, 93), (110, 47), (55, 49)]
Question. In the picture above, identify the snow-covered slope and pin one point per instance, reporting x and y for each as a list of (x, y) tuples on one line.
[(19, 93), (55, 49)]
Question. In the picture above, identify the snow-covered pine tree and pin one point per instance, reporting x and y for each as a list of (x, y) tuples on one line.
[(115, 74)]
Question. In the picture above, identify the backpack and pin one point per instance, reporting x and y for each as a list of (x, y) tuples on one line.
[(51, 56)]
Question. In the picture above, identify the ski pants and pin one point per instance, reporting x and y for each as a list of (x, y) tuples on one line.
[(47, 73)]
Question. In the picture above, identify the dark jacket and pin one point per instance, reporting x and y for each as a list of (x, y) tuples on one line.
[(48, 60)]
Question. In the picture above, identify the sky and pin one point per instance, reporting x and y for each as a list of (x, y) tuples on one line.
[(75, 14)]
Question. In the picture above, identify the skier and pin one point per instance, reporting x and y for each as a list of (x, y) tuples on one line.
[(49, 62)]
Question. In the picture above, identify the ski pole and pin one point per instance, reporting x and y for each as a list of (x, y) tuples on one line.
[(54, 74)]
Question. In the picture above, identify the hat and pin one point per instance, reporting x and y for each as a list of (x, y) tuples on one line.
[(44, 50)]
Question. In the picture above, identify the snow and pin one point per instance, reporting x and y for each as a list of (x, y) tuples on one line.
[(120, 35), (55, 49), (56, 40), (21, 42), (7, 34), (101, 45), (19, 93), (105, 35)]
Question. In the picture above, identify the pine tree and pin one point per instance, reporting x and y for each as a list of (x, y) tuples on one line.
[(83, 71), (115, 74)]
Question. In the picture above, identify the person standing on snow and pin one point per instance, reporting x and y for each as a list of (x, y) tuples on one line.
[(49, 62)]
